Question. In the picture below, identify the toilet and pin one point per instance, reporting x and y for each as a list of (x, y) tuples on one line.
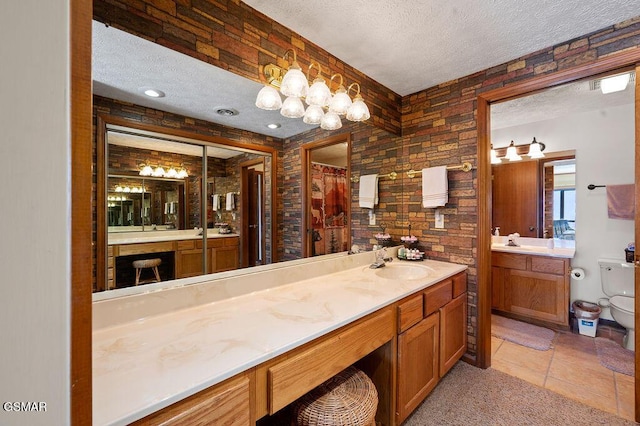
[(617, 279)]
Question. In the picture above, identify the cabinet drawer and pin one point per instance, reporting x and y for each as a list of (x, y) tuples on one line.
[(290, 379), (231, 241), (186, 245), (213, 242), (409, 312), (459, 284), (127, 249), (437, 296), (228, 404), (509, 261), (548, 265)]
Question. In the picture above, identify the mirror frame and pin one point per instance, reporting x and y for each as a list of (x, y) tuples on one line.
[(102, 126)]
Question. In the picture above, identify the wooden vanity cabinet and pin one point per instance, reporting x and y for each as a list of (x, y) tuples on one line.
[(228, 403), (432, 337), (531, 287)]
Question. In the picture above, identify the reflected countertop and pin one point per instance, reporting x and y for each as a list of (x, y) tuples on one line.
[(536, 246), (115, 238), (142, 366)]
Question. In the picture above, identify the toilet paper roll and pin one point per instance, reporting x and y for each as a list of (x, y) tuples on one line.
[(577, 274)]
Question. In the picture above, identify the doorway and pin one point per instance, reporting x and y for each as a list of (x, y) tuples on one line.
[(619, 63), (252, 213), (326, 195)]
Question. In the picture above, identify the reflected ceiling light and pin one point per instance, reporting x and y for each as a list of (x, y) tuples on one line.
[(535, 149), (173, 173), (154, 93), (295, 86), (273, 126), (614, 83), (512, 154), (494, 156)]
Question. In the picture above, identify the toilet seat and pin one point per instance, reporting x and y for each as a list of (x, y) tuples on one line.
[(624, 303)]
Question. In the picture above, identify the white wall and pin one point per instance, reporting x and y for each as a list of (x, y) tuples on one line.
[(34, 218), (604, 144)]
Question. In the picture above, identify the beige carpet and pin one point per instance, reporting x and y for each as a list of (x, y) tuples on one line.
[(472, 396), (615, 357), (522, 333)]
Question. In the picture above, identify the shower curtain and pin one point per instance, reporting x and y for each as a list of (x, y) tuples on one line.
[(328, 209)]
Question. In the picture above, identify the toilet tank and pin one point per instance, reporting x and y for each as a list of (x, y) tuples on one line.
[(617, 277)]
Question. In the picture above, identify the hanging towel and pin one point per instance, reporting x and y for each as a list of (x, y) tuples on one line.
[(230, 204), (216, 202), (621, 201), (435, 187), (368, 193)]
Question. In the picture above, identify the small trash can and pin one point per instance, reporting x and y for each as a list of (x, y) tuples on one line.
[(587, 315)]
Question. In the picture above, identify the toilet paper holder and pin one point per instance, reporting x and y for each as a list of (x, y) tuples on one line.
[(577, 274)]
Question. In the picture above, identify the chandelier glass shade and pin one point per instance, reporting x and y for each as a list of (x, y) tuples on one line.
[(323, 107)]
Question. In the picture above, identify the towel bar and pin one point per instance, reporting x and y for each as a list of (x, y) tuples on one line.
[(392, 176), (465, 167)]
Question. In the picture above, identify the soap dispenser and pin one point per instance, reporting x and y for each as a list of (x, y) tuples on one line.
[(497, 231)]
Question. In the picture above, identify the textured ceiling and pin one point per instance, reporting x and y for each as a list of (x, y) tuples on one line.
[(412, 45)]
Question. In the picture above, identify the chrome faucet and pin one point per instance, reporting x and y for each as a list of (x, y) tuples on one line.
[(511, 240), (381, 258)]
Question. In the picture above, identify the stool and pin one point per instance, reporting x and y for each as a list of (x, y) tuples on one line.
[(147, 263), (347, 399)]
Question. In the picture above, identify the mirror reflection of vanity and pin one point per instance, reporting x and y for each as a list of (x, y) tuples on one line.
[(158, 210)]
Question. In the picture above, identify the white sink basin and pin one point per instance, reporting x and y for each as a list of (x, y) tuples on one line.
[(403, 271)]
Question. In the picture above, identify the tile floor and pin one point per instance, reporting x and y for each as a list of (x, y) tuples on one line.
[(571, 368)]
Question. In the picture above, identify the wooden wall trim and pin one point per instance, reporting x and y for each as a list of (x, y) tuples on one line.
[(81, 223)]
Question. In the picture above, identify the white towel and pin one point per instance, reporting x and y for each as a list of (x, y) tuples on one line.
[(435, 187), (368, 193), (230, 204), (216, 202)]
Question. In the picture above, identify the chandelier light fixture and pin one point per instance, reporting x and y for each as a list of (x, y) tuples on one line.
[(323, 107), (159, 171), (514, 152)]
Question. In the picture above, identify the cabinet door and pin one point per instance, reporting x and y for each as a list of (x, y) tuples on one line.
[(536, 295), (224, 258), (497, 289), (417, 364), (188, 263), (453, 332)]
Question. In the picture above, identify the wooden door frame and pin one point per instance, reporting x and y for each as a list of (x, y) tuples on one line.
[(244, 197), (305, 159), (622, 61), (80, 409)]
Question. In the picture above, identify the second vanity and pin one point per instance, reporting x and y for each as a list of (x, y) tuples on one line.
[(240, 348), (531, 281)]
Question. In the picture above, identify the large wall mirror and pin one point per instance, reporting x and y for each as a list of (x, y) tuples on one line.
[(207, 126)]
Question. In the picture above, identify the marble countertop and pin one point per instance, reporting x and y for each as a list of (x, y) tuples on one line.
[(142, 366), (159, 236), (536, 246)]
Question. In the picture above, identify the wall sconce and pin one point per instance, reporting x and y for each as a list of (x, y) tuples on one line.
[(159, 171), (514, 152), (322, 107)]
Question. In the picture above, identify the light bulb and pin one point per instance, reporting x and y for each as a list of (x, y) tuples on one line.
[(268, 99), (292, 107), (331, 121), (319, 93), (294, 83), (358, 111), (340, 102), (313, 115)]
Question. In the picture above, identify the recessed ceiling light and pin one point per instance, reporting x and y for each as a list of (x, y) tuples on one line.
[(154, 93), (227, 112), (273, 125)]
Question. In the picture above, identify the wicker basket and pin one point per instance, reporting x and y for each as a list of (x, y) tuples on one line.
[(347, 399)]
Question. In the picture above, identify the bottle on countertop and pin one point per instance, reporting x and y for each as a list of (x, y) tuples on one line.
[(497, 231)]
